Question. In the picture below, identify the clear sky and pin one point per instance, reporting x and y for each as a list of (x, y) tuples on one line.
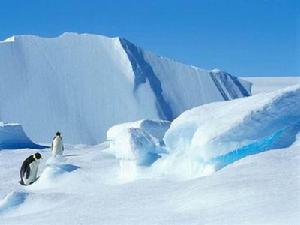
[(243, 37)]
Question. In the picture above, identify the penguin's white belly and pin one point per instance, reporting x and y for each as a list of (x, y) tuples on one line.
[(33, 173), (57, 147)]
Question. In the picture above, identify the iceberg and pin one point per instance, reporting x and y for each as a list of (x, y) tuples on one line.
[(83, 84), (12, 136), (207, 138), (140, 142)]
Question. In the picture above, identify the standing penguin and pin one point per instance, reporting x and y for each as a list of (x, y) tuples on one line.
[(57, 146), (29, 169)]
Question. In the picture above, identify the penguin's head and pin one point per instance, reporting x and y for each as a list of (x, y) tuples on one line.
[(57, 133), (37, 156)]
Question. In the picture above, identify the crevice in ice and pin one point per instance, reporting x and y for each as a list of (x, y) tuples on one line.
[(143, 72), (226, 83), (281, 138), (218, 85)]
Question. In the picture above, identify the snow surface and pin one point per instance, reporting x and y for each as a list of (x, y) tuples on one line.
[(84, 188), (267, 84), (12, 136), (209, 137), (87, 185), (83, 84)]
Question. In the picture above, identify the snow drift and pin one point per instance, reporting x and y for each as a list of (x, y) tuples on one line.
[(84, 84), (12, 200), (12, 136), (54, 170), (209, 137)]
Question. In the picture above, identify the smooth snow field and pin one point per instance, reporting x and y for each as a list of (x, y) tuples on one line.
[(85, 188)]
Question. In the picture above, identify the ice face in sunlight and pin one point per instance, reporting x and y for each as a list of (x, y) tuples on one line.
[(84, 84), (219, 134)]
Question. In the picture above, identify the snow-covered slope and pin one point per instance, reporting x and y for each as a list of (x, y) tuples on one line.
[(84, 84), (212, 136), (12, 136)]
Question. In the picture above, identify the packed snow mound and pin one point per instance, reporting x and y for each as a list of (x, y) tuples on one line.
[(211, 136), (55, 170), (12, 136), (140, 142), (84, 84)]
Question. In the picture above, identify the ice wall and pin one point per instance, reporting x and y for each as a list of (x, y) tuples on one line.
[(209, 137), (12, 136), (83, 84)]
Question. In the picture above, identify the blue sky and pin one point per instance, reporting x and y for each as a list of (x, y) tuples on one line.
[(243, 37)]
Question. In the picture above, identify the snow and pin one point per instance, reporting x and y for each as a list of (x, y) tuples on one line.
[(83, 84), (209, 137), (267, 84), (88, 184), (226, 162), (216, 70), (259, 189), (136, 144), (12, 136), (10, 39), (186, 86)]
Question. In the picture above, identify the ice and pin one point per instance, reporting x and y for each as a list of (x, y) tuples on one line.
[(267, 84), (12, 136), (243, 155), (86, 180), (185, 87), (212, 136), (137, 144), (140, 141), (83, 84)]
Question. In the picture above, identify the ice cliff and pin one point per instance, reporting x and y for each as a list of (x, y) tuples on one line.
[(83, 84)]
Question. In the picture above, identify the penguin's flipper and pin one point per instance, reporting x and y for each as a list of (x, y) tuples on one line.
[(27, 172)]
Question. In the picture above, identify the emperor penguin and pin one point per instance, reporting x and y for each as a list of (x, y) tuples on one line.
[(57, 146), (29, 169)]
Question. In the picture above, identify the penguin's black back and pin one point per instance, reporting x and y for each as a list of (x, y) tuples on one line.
[(25, 165), (29, 160)]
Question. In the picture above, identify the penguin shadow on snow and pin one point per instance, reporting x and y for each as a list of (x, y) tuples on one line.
[(71, 155), (59, 166), (12, 201), (67, 167)]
